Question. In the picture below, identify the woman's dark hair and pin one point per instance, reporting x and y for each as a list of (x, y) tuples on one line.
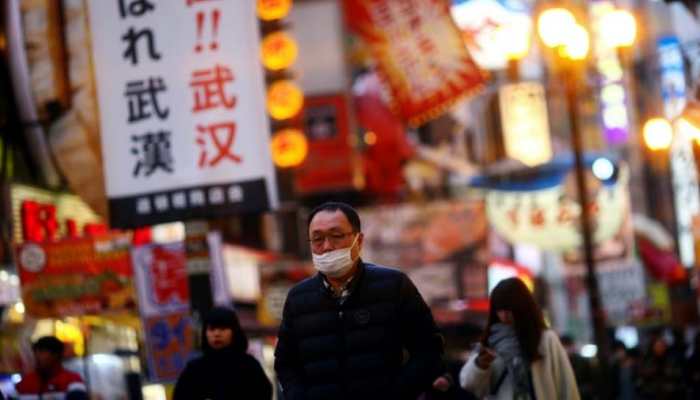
[(224, 317), (512, 295), (332, 206)]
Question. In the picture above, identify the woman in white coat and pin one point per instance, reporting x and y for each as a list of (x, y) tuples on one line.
[(518, 357)]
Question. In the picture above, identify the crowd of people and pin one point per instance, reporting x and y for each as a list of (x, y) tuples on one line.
[(361, 331)]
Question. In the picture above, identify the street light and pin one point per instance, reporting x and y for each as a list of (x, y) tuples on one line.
[(560, 31), (658, 134)]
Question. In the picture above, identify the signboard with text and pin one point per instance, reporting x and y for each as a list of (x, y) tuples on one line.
[(419, 51), (160, 272), (182, 111), (169, 343), (74, 277)]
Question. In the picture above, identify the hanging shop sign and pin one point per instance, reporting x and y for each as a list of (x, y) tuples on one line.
[(169, 345), (546, 213), (329, 164), (613, 96), (525, 122), (419, 52), (75, 277), (160, 271), (683, 164), (489, 27), (183, 125)]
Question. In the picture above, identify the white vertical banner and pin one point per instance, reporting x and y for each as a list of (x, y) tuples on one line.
[(182, 109), (683, 164)]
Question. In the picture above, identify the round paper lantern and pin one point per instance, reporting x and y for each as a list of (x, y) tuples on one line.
[(289, 148), (278, 51), (284, 99), (269, 10)]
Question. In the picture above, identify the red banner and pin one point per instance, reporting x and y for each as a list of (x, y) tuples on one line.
[(420, 53), (76, 276)]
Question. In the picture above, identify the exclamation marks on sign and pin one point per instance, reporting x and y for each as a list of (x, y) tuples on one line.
[(214, 43)]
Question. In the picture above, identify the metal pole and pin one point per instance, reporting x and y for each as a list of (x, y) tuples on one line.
[(572, 77)]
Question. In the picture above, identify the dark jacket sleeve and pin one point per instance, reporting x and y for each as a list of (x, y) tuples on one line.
[(287, 363), (185, 385), (260, 387), (422, 340)]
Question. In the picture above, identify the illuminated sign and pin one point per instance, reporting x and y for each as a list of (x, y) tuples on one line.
[(525, 122), (40, 215)]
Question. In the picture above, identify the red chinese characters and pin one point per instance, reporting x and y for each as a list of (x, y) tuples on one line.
[(168, 277), (211, 91)]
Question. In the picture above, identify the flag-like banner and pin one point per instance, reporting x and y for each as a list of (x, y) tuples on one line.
[(182, 110), (419, 51)]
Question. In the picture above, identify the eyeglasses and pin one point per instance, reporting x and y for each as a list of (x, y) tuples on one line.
[(335, 239)]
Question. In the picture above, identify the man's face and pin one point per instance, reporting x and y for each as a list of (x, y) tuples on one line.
[(45, 360), (219, 337), (331, 230)]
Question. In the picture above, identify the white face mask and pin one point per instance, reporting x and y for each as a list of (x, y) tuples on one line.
[(335, 263)]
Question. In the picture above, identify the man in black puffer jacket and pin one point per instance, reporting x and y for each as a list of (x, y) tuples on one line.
[(354, 330)]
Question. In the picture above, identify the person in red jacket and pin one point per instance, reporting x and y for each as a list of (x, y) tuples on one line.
[(49, 380)]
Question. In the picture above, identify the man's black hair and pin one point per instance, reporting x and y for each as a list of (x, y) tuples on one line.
[(350, 213), (51, 344)]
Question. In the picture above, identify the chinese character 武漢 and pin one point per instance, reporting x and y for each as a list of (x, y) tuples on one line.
[(153, 152), (209, 88), (142, 94), (132, 38), (222, 136)]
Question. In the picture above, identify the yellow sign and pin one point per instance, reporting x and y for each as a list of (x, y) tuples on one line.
[(278, 51), (269, 10), (289, 148), (284, 99)]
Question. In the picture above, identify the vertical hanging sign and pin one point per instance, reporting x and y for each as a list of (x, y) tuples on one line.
[(683, 165), (182, 111)]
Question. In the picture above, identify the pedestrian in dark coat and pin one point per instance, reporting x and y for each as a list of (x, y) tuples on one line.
[(225, 371), (355, 330)]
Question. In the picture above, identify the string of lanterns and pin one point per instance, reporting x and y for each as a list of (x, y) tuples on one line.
[(285, 99)]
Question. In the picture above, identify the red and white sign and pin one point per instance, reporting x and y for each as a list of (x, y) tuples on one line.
[(160, 272), (420, 53), (183, 124)]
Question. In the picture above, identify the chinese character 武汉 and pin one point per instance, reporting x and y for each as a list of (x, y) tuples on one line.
[(222, 136), (153, 152), (134, 8), (209, 88), (143, 93), (132, 38)]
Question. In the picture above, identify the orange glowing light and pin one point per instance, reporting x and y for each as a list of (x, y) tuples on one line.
[(284, 99), (289, 148), (278, 51), (269, 10)]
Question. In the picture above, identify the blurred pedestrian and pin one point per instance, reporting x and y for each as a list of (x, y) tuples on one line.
[(225, 370), (692, 370), (660, 377), (50, 380), (354, 330), (519, 358)]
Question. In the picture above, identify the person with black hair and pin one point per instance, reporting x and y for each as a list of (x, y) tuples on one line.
[(518, 357), (224, 371), (50, 380), (354, 330)]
